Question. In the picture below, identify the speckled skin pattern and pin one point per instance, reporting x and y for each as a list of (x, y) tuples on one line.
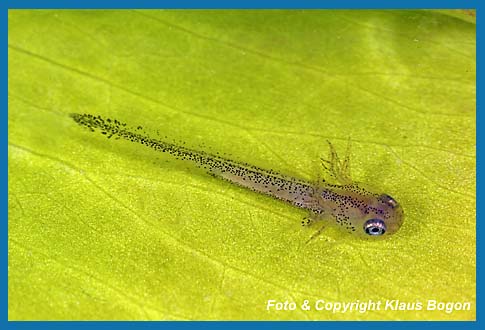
[(352, 207)]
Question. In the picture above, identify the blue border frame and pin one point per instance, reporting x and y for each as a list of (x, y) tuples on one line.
[(242, 4), (258, 4)]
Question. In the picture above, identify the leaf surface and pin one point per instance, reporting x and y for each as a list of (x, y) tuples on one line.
[(103, 229)]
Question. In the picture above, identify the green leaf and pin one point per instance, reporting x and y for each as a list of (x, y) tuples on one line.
[(105, 229)]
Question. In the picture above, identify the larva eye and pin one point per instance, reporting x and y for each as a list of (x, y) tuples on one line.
[(389, 201), (375, 227)]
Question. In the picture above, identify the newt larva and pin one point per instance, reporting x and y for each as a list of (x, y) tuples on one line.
[(349, 205)]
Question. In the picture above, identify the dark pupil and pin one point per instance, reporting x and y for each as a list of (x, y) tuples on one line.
[(375, 230)]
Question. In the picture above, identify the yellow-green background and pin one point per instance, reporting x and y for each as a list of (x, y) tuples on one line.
[(102, 229)]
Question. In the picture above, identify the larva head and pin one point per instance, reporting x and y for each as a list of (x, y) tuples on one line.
[(382, 218), (364, 213)]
